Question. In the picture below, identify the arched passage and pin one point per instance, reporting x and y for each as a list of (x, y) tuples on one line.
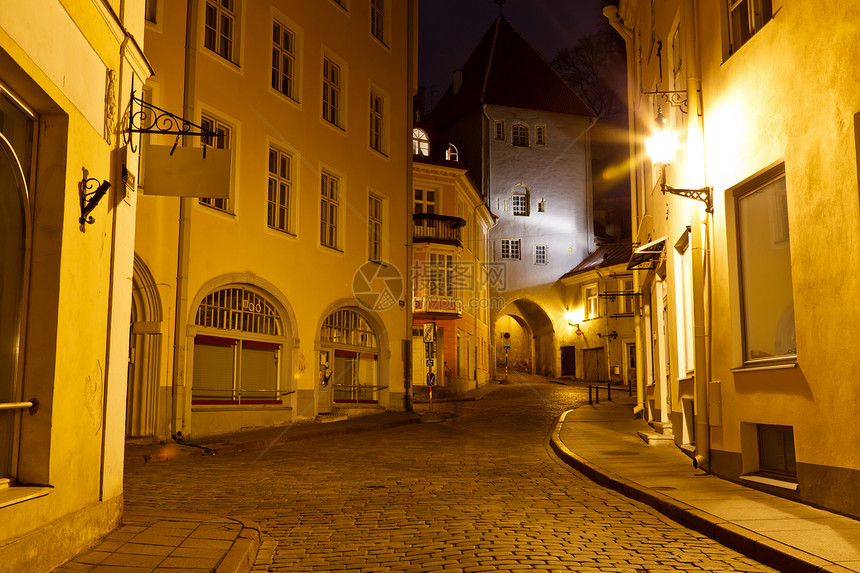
[(531, 338), (142, 408)]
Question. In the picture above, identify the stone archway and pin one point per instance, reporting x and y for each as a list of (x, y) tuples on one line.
[(144, 356), (532, 338)]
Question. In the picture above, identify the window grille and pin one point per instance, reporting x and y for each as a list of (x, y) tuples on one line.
[(237, 308), (510, 248), (540, 254), (519, 204), (347, 327)]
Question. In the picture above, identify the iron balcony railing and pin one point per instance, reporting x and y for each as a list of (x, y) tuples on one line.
[(432, 228)]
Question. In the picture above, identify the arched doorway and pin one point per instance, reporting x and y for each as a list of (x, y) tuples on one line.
[(531, 337), (144, 357)]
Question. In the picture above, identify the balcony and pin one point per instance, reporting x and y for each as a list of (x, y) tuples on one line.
[(432, 228), (437, 303)]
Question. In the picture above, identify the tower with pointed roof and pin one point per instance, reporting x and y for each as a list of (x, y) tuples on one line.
[(524, 135)]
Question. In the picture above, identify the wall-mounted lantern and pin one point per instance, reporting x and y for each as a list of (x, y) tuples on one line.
[(89, 201)]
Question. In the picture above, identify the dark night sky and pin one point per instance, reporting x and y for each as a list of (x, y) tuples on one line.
[(450, 30)]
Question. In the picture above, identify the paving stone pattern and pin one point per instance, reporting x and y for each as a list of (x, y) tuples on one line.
[(479, 492)]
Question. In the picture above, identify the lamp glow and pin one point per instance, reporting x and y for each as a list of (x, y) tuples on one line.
[(661, 147)]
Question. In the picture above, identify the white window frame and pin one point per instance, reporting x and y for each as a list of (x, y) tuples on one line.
[(520, 203), (540, 135), (626, 303), (510, 249), (331, 194), (334, 90), (224, 43), (743, 19), (281, 200), (440, 275), (540, 254), (214, 123)]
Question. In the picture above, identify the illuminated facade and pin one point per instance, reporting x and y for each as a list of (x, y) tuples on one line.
[(524, 135), (292, 277), (450, 286), (745, 335), (64, 259)]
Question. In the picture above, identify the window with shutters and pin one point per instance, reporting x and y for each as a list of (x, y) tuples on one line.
[(237, 349)]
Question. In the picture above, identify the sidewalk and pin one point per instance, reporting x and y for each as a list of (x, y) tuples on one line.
[(602, 442)]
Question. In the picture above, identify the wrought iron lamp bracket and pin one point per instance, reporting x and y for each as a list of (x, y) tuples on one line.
[(145, 117), (89, 201), (703, 194), (673, 98)]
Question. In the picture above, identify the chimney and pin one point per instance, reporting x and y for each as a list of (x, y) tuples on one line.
[(458, 80)]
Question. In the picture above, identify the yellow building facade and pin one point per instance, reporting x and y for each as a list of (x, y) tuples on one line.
[(746, 326), (277, 292), (67, 206)]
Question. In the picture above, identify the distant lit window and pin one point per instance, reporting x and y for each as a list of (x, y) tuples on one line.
[(452, 154), (283, 60), (425, 201), (540, 254), (420, 142), (745, 18), (220, 28), (520, 135), (520, 201), (500, 130), (222, 141), (592, 309), (540, 135), (510, 249)]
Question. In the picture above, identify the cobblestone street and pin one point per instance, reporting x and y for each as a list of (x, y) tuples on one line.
[(479, 492)]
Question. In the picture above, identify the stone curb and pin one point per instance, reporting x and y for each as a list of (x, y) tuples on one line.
[(240, 557), (176, 450), (763, 549)]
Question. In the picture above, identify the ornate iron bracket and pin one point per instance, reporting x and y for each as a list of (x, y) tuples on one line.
[(149, 118), (703, 194), (89, 201), (673, 98)]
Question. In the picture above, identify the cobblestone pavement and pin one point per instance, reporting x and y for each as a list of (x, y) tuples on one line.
[(479, 492)]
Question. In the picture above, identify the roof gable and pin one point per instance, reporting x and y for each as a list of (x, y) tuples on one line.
[(505, 70)]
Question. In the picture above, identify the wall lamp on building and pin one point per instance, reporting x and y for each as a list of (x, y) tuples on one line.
[(661, 147), (569, 316), (89, 201)]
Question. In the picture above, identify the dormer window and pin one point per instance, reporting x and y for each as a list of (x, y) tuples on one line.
[(420, 142), (452, 154)]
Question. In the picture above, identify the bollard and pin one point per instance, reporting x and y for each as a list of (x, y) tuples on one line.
[(608, 392), (629, 387), (589, 395), (596, 394)]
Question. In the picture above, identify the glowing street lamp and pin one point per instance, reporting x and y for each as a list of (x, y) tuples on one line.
[(661, 147)]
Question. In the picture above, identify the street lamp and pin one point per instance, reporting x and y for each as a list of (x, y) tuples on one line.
[(661, 147)]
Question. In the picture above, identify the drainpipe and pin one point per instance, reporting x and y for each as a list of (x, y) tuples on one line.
[(701, 254), (611, 14), (412, 84), (180, 318)]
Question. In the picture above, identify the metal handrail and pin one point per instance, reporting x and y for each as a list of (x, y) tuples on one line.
[(32, 406)]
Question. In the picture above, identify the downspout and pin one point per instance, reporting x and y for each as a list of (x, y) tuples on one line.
[(701, 254), (180, 319), (411, 86), (611, 14), (485, 181)]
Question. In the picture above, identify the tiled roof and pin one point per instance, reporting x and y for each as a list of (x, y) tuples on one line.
[(605, 256), (505, 70)]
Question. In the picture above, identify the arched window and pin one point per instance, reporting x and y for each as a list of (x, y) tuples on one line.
[(16, 149), (420, 142), (520, 135), (237, 350), (350, 354), (452, 154)]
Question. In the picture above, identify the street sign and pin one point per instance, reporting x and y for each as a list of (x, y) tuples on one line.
[(507, 347), (429, 331), (429, 363), (431, 379)]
